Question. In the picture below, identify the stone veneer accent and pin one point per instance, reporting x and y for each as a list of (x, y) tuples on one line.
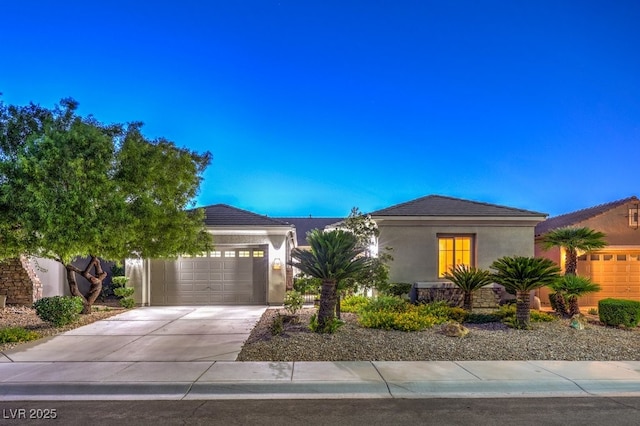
[(19, 282), (486, 297)]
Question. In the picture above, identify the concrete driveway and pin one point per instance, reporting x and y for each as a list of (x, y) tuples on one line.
[(171, 333)]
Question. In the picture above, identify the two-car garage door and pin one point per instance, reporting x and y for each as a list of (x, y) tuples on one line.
[(226, 276), (618, 274)]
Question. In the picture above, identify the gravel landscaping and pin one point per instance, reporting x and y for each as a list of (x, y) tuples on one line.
[(24, 316), (493, 341)]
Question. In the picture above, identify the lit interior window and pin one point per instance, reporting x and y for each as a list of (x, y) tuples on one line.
[(258, 253), (229, 254), (453, 251), (244, 253), (216, 254)]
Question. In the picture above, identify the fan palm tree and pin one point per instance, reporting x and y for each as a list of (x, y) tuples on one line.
[(468, 279), (571, 287), (572, 240), (523, 274), (334, 256)]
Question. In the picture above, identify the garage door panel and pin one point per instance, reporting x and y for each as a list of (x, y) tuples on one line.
[(619, 275), (210, 280)]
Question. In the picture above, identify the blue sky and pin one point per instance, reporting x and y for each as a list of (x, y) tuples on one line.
[(314, 107)]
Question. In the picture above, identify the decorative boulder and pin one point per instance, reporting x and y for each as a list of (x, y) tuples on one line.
[(454, 329)]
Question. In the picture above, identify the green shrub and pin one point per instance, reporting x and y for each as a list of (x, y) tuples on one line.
[(119, 282), (127, 302), (592, 311), (386, 303), (293, 301), (410, 320), (616, 312), (58, 310), (477, 318), (507, 314), (397, 289), (353, 303), (458, 314), (307, 285), (17, 334), (329, 328), (124, 291)]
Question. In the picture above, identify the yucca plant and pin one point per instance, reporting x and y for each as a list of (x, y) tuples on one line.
[(523, 274), (334, 256), (468, 279), (570, 287)]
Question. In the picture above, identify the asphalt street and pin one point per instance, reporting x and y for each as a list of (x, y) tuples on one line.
[(451, 411)]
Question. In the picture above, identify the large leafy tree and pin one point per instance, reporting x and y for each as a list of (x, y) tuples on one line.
[(376, 275), (72, 188), (468, 279), (521, 275), (334, 256), (574, 239)]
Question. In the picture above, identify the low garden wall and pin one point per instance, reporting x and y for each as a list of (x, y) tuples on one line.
[(488, 296), (19, 282)]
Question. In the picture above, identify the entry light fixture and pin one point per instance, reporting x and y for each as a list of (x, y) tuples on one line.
[(277, 264)]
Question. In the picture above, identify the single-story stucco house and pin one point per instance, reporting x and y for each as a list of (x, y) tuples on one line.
[(429, 235), (616, 267)]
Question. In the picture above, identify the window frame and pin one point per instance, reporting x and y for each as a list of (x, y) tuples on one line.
[(472, 250)]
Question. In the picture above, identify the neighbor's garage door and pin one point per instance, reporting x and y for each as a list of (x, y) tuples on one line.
[(618, 273), (226, 276)]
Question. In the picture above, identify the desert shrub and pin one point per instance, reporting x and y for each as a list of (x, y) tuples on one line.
[(387, 304), (616, 312), (385, 313), (396, 289), (58, 310), (477, 318), (127, 302), (458, 314), (592, 311), (334, 325), (507, 314), (17, 334), (353, 303), (293, 301)]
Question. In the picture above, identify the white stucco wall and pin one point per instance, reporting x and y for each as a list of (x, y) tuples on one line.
[(52, 275)]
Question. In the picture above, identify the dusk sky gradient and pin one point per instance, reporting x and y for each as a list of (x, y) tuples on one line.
[(314, 107)]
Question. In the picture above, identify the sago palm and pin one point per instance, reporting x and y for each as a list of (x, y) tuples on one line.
[(571, 287), (468, 279), (334, 256), (521, 275), (572, 240)]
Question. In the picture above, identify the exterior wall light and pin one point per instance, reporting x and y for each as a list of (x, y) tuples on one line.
[(277, 264)]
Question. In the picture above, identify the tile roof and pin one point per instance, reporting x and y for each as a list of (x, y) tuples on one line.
[(224, 215), (573, 218), (438, 205), (306, 224)]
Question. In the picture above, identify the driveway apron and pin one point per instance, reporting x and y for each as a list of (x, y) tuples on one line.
[(151, 334)]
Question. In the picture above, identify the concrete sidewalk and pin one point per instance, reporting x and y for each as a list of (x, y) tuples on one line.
[(188, 353), (315, 380)]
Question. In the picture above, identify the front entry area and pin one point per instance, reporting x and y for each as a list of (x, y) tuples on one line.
[(225, 276)]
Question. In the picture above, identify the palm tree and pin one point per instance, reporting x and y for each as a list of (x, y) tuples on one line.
[(572, 240), (571, 287), (523, 274), (334, 256), (468, 279)]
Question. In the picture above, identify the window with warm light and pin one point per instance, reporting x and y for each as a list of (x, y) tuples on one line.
[(453, 250)]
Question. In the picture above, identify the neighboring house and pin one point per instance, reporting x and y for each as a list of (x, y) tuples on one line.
[(246, 266), (616, 267), (304, 225), (431, 234)]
